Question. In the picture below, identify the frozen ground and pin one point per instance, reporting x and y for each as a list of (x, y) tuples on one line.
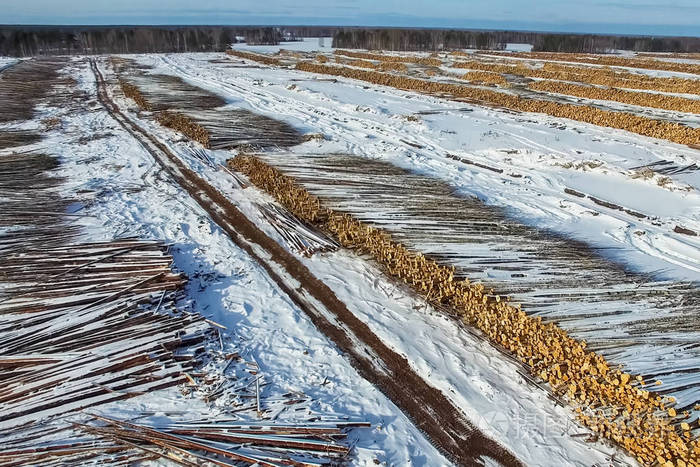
[(540, 163), (523, 421), (5, 62)]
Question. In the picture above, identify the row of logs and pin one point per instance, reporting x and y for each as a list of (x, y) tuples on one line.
[(485, 77), (295, 198), (684, 55), (643, 99), (612, 403), (266, 59), (426, 61), (603, 76), (174, 120), (621, 120), (185, 125), (134, 93), (381, 66), (609, 60)]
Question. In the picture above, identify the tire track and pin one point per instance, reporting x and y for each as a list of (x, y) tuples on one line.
[(429, 409)]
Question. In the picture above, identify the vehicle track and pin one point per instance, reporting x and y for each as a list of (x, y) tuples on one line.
[(431, 411)]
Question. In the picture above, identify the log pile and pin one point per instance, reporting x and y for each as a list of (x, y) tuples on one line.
[(608, 60), (485, 77), (134, 93), (25, 84), (107, 440), (425, 61), (614, 404), (234, 128), (199, 114), (643, 99), (266, 59), (185, 125), (296, 198), (381, 66), (621, 120), (87, 324), (300, 237), (684, 55), (13, 138), (584, 74)]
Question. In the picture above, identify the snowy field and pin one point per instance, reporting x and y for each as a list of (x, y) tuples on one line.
[(490, 389), (551, 154), (559, 176)]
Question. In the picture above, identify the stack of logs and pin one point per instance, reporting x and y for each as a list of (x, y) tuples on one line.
[(425, 61), (174, 120), (87, 324), (643, 99), (612, 403), (185, 125), (134, 93), (485, 77), (381, 66), (102, 440), (603, 76), (267, 60), (608, 60)]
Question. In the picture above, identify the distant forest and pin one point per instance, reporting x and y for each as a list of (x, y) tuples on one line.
[(24, 41), (441, 39)]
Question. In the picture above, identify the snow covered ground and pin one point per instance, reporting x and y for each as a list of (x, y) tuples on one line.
[(479, 380), (6, 61), (125, 194), (551, 154)]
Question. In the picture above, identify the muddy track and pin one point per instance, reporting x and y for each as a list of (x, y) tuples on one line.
[(435, 415)]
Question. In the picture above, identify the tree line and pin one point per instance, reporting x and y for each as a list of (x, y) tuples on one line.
[(24, 41), (450, 39)]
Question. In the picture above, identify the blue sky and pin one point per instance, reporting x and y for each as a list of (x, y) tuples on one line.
[(670, 17)]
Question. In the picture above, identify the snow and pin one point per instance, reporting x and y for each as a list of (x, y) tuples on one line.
[(476, 377), (518, 47), (6, 61), (133, 197)]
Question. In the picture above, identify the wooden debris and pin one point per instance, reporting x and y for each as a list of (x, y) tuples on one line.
[(114, 333), (302, 238)]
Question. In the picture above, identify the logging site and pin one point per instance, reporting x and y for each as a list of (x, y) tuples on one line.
[(347, 245)]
